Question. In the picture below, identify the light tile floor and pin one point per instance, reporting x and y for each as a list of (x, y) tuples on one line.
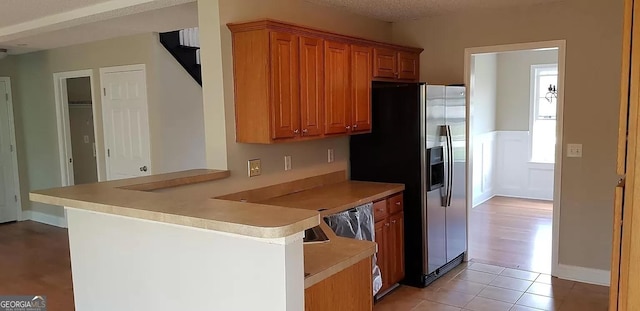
[(477, 286)]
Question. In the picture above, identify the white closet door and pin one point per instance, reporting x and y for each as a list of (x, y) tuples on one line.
[(126, 123), (8, 198)]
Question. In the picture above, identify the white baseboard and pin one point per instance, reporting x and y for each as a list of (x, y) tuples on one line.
[(584, 275), (500, 194), (483, 198), (45, 218)]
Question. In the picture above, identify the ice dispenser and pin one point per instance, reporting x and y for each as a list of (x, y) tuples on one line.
[(435, 168)]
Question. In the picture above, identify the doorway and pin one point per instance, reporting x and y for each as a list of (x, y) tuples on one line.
[(10, 203), (76, 114), (515, 124)]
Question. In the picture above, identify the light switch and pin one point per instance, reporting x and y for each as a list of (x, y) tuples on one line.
[(330, 156), (255, 168), (574, 150), (287, 163), (86, 139)]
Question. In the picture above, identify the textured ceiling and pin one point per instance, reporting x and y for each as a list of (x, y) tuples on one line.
[(399, 10), (160, 20), (18, 11)]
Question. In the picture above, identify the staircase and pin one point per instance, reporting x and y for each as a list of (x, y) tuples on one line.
[(184, 45)]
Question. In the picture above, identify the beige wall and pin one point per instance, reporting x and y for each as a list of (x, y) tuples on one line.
[(593, 32), (168, 94), (483, 94), (514, 84), (177, 123), (307, 158)]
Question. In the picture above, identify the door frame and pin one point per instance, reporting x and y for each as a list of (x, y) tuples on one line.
[(125, 68), (561, 45), (14, 154), (63, 125)]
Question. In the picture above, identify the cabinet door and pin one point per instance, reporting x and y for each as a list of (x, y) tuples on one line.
[(408, 66), (311, 86), (395, 246), (285, 86), (361, 62), (381, 230), (385, 63), (337, 88)]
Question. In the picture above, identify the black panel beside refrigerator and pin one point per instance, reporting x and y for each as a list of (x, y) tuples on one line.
[(418, 139)]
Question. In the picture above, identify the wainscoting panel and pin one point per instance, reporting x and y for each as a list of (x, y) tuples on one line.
[(516, 176), (484, 163)]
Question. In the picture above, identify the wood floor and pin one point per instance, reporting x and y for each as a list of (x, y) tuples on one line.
[(513, 233), (34, 260)]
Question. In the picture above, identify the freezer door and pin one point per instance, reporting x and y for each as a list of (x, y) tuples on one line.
[(435, 116), (436, 232), (435, 211), (456, 212)]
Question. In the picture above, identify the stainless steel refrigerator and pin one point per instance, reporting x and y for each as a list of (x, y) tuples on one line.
[(418, 138)]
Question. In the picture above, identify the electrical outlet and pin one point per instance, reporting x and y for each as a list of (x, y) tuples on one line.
[(255, 168), (330, 156), (574, 150), (287, 163)]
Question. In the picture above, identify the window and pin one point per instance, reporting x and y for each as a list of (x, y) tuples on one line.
[(544, 82)]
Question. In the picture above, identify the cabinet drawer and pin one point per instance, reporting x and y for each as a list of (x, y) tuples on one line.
[(395, 203), (380, 210)]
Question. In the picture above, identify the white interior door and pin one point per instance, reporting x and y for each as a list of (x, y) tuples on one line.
[(126, 122), (8, 169)]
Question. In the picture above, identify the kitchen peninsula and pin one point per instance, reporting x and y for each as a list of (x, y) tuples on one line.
[(139, 244)]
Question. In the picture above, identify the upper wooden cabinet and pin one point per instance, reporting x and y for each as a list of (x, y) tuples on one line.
[(312, 86), (386, 63), (396, 64), (285, 97), (361, 67), (408, 66), (337, 88), (295, 83)]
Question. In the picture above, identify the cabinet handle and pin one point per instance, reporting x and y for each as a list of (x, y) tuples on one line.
[(348, 127), (398, 203), (386, 225), (296, 131), (304, 131), (393, 222), (355, 126)]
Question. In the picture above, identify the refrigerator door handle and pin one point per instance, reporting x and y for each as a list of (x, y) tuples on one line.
[(444, 190), (450, 166)]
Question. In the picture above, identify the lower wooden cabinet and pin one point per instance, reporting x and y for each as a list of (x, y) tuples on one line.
[(381, 240), (389, 234), (395, 242), (349, 289)]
